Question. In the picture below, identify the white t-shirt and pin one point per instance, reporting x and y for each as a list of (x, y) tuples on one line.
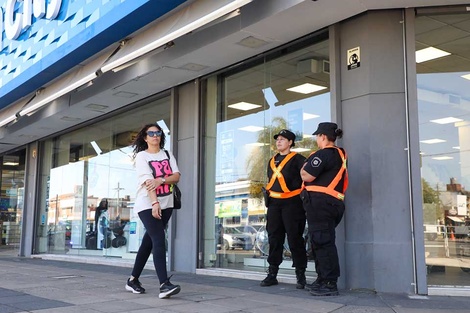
[(150, 166)]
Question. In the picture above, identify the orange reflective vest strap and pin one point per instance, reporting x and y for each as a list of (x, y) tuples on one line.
[(330, 189), (284, 195), (277, 174)]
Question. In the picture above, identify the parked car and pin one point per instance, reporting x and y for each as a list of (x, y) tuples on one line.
[(249, 230), (234, 238)]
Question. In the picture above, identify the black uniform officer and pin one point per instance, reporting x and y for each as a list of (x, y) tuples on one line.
[(285, 210), (325, 179)]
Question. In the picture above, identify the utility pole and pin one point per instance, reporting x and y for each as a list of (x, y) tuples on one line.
[(118, 199)]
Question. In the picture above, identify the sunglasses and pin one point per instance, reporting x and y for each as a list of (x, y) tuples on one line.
[(152, 133)]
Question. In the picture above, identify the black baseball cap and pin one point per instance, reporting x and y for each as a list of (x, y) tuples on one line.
[(286, 134), (326, 128)]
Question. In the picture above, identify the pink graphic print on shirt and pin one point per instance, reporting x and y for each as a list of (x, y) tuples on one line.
[(161, 169)]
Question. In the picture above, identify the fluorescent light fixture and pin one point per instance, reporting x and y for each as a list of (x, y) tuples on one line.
[(11, 163), (257, 144), (96, 147), (308, 116), (163, 126), (307, 136), (433, 141), (244, 106), (226, 9), (442, 158), (306, 88), (252, 129), (298, 150), (59, 93), (7, 120), (270, 96), (430, 53), (446, 120), (456, 148), (466, 76)]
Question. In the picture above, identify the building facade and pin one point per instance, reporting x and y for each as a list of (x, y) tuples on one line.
[(80, 78)]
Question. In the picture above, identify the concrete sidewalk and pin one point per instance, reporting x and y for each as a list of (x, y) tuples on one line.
[(35, 285)]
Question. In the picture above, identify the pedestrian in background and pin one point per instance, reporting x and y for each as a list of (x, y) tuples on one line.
[(285, 212), (326, 179), (154, 204)]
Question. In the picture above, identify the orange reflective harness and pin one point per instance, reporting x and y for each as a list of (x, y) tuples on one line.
[(330, 189), (278, 175)]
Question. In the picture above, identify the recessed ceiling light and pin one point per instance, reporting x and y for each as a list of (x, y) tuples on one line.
[(430, 53), (447, 120), (70, 119), (125, 94), (306, 88), (466, 76), (251, 128), (11, 163), (308, 116), (442, 158), (193, 67), (252, 42), (96, 107), (298, 150), (244, 106), (433, 141)]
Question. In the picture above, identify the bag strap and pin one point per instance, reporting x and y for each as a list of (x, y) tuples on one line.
[(167, 154)]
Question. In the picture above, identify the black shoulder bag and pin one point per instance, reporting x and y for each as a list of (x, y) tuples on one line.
[(176, 191)]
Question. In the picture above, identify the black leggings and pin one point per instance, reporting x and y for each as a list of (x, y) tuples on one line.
[(153, 241)]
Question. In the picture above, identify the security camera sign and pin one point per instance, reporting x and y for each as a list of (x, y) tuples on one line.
[(354, 58)]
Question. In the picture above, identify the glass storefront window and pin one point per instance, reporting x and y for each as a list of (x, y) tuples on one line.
[(444, 131), (88, 186), (245, 108), (11, 201)]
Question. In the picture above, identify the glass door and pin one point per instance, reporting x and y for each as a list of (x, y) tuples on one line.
[(443, 81), (11, 201)]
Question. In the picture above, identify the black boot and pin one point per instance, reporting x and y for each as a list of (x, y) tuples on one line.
[(271, 279), (327, 288), (315, 285), (301, 279)]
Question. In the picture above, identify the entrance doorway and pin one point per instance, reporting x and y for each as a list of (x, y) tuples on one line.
[(11, 201)]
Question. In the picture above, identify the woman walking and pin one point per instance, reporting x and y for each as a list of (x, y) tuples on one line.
[(156, 172)]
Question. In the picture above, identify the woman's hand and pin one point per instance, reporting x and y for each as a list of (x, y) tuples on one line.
[(152, 184), (157, 210)]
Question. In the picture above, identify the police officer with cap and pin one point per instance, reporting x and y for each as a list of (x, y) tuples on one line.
[(325, 181), (285, 211)]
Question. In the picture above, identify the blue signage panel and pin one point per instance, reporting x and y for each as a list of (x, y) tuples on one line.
[(295, 122), (42, 39)]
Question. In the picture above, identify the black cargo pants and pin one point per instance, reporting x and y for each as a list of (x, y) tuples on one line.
[(324, 213), (286, 216)]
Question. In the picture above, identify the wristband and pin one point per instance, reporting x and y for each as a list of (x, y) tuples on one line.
[(155, 202)]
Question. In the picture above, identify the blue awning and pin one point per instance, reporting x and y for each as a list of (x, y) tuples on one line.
[(82, 29)]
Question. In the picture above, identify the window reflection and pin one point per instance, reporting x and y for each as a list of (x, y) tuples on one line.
[(89, 185), (285, 90), (444, 126), (11, 201)]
